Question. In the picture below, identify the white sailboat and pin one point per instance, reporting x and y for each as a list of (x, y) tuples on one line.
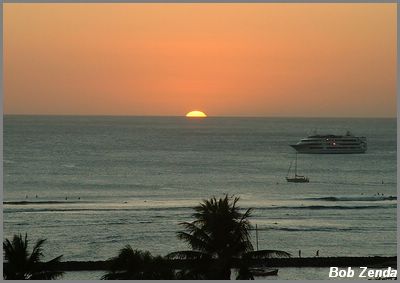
[(296, 178)]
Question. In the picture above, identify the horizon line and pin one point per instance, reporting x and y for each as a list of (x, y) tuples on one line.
[(208, 116)]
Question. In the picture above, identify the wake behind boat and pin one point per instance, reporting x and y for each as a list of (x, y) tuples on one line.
[(331, 144)]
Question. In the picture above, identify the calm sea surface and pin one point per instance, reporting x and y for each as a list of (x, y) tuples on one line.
[(100, 183)]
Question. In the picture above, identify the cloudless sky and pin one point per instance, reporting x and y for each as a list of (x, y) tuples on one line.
[(335, 60)]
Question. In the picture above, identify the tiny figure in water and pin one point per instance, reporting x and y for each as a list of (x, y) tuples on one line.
[(317, 253), (79, 197), (299, 253), (26, 196), (66, 198), (36, 196), (382, 181)]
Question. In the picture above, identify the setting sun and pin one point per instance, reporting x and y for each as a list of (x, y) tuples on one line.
[(198, 114)]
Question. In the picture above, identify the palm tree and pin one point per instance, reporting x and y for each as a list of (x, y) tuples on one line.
[(219, 237), (138, 265), (20, 265)]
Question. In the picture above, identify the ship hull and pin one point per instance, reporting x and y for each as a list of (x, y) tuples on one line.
[(337, 150)]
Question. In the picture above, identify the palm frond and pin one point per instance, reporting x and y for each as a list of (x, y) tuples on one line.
[(54, 261), (8, 249), (37, 252), (194, 241)]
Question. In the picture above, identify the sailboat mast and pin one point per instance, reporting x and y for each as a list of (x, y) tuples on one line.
[(290, 167), (257, 237)]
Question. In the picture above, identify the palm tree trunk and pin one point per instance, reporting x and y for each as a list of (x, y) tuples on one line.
[(227, 274), (225, 265)]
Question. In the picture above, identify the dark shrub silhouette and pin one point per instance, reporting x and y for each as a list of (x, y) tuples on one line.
[(138, 265)]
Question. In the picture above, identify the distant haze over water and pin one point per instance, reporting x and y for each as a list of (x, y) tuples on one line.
[(110, 181)]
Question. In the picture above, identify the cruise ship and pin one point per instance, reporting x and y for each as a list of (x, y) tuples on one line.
[(331, 144)]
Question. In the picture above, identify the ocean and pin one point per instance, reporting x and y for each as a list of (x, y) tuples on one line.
[(91, 185)]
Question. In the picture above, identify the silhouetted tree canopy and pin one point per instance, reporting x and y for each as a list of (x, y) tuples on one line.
[(132, 264), (221, 232), (20, 265)]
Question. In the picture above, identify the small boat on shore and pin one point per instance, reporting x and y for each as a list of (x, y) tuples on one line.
[(296, 178), (264, 272)]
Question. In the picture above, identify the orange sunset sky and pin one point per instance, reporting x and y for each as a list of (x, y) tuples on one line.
[(330, 60)]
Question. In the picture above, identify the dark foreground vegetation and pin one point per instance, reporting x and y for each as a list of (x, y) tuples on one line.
[(219, 241), (374, 261), (22, 265)]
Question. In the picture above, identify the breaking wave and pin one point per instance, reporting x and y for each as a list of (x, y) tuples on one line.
[(322, 207), (354, 198), (308, 229), (40, 202)]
